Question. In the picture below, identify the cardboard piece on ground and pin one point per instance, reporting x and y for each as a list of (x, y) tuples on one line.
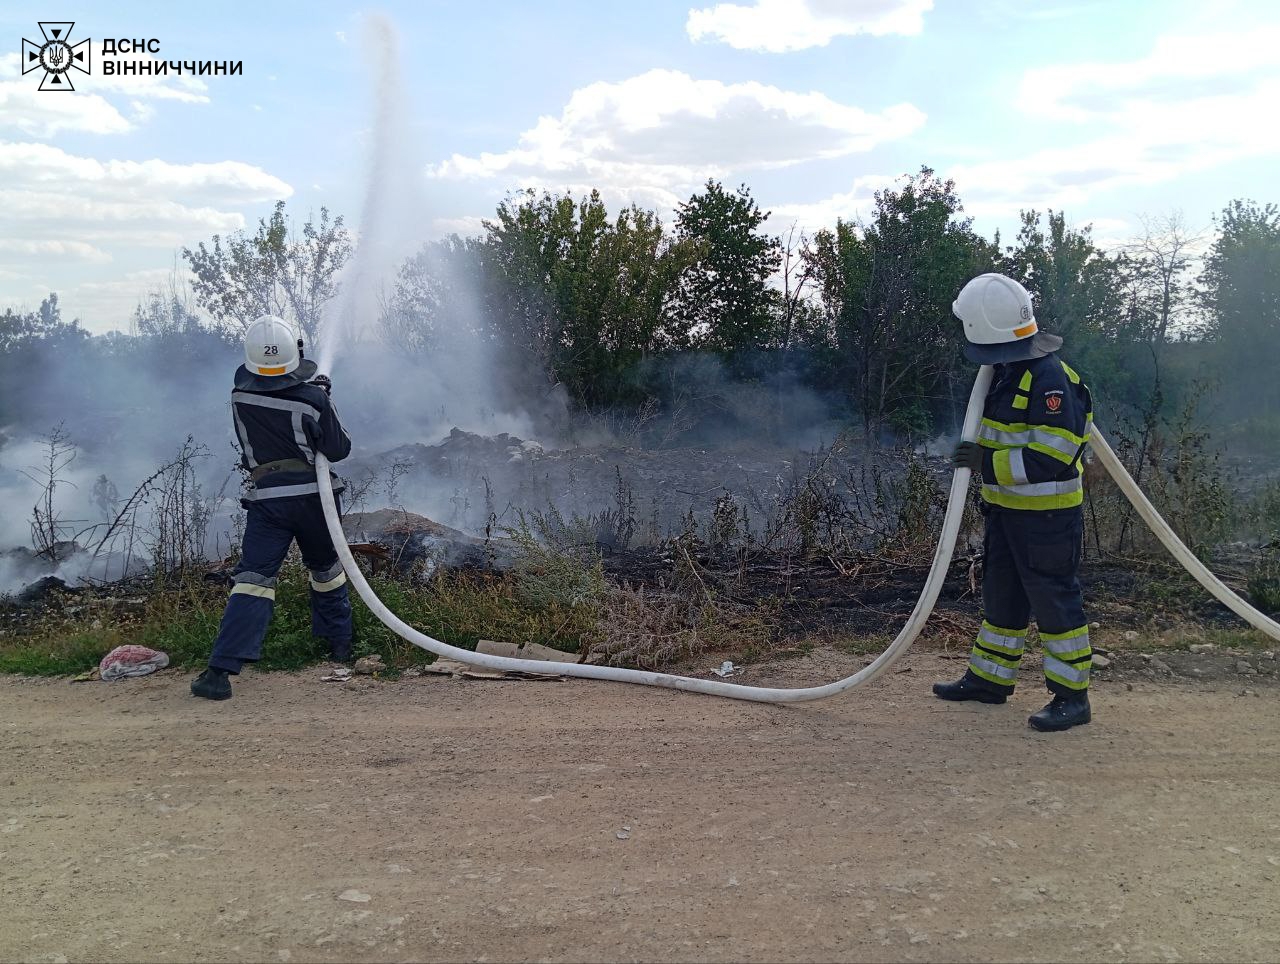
[(538, 651), (492, 648), (453, 667)]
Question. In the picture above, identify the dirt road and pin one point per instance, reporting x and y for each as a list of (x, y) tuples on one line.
[(445, 820)]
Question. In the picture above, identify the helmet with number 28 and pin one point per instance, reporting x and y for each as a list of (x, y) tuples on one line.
[(270, 346)]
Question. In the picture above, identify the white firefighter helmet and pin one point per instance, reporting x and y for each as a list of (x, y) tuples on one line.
[(272, 357), (270, 346), (1000, 322)]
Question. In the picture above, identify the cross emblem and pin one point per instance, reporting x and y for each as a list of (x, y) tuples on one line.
[(56, 56)]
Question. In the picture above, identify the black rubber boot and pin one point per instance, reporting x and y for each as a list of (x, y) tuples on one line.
[(212, 684), (340, 650), (1064, 711), (968, 688)]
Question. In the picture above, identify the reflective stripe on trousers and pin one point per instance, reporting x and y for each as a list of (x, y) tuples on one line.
[(327, 580), (997, 653), (1068, 657), (271, 527)]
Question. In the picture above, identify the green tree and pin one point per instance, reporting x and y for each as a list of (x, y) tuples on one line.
[(1155, 268), (724, 299), (1101, 305), (1241, 298), (42, 327), (1077, 287), (440, 289), (885, 288), (276, 270), (586, 295)]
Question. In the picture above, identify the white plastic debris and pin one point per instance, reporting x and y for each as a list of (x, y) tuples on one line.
[(726, 669)]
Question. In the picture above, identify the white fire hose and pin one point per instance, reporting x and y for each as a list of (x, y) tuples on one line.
[(761, 694)]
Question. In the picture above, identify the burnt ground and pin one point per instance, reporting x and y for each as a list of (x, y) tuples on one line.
[(430, 819), (465, 479)]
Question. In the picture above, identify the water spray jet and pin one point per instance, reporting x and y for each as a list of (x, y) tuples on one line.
[(358, 297)]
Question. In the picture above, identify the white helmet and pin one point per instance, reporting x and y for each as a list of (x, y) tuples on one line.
[(999, 322), (270, 346)]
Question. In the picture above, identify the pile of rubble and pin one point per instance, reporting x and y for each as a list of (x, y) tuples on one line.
[(396, 538)]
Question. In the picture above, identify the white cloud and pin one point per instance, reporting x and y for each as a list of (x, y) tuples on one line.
[(117, 298), (27, 110), (465, 227), (1191, 104), (61, 212), (40, 114), (24, 107), (778, 26), (78, 250), (1180, 71), (652, 137), (852, 205), (27, 166)]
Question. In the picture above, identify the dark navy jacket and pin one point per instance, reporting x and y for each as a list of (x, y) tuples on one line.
[(1035, 424), (291, 423)]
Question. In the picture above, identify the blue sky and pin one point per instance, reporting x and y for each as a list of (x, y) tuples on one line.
[(1109, 110)]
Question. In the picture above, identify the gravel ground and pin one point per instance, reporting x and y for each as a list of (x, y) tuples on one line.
[(434, 819)]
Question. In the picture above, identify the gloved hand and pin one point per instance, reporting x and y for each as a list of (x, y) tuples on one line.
[(968, 455), (323, 381)]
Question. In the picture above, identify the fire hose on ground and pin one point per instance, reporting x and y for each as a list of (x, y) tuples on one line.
[(760, 694)]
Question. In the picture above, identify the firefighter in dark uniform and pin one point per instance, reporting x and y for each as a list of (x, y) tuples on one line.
[(282, 418), (1035, 426)]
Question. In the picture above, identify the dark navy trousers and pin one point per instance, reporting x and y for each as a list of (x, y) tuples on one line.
[(273, 525), (1031, 568)]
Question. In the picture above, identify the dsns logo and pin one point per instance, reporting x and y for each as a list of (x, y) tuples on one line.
[(56, 56)]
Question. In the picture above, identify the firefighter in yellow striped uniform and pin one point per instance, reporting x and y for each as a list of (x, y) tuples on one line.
[(1029, 454)]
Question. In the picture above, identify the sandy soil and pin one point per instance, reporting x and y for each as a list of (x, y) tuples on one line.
[(445, 820)]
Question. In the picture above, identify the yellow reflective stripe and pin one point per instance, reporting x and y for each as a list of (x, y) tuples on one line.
[(1001, 631), (1025, 383), (992, 672), (1020, 428), (1006, 500), (1049, 450), (1020, 401), (248, 589), (331, 584), (1039, 488), (1071, 373), (1008, 662), (1077, 678), (1069, 684), (990, 647), (1072, 634), (1004, 645), (1000, 463)]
